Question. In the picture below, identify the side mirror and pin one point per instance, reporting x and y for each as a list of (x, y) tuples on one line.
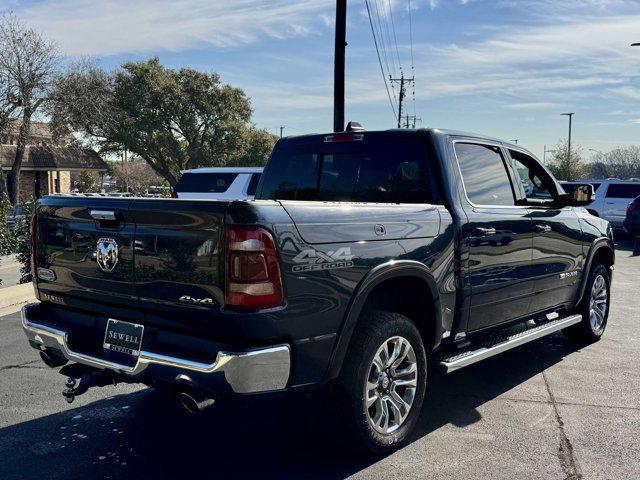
[(581, 195)]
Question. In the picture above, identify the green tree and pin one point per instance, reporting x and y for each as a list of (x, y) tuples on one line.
[(173, 119), (255, 150), (564, 167)]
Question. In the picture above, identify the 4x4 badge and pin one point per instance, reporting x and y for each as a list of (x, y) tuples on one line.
[(107, 254), (310, 260)]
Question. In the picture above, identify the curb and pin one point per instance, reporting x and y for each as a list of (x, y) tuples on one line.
[(16, 295)]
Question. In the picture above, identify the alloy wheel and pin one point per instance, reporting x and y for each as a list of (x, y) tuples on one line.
[(391, 385), (598, 304)]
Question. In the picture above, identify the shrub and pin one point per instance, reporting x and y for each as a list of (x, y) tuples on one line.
[(23, 241)]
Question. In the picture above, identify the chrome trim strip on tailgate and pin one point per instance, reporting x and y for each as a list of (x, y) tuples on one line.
[(260, 370)]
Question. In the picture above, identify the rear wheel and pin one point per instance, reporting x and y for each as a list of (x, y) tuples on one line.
[(378, 396), (594, 307)]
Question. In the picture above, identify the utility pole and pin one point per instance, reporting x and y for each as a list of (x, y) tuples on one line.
[(281, 129), (544, 154), (413, 119), (339, 61), (401, 95), (570, 115)]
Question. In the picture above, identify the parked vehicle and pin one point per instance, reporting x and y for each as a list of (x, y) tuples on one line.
[(356, 267), (612, 198), (219, 183), (15, 214), (632, 224)]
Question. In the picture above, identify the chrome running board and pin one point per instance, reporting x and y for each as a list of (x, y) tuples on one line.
[(458, 359)]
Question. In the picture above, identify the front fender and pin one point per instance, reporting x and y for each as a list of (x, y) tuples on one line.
[(596, 246)]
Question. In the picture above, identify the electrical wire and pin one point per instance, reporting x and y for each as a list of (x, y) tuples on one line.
[(375, 42)]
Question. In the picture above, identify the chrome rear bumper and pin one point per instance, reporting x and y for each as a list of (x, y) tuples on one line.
[(252, 371)]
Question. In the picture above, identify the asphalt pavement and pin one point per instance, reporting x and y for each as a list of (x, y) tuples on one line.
[(547, 410)]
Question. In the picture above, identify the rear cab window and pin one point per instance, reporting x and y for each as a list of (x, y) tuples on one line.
[(370, 170), (205, 182)]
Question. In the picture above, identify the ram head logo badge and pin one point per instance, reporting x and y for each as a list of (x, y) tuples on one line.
[(107, 254)]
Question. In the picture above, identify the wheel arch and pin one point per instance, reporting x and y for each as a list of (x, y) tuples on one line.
[(375, 291), (602, 251)]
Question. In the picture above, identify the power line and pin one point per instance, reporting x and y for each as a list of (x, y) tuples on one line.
[(384, 77), (413, 72), (395, 38), (383, 46)]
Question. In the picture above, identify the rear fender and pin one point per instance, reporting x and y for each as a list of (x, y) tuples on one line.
[(381, 273)]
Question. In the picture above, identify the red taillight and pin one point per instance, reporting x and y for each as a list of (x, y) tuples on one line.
[(631, 207), (174, 194), (252, 269), (32, 232)]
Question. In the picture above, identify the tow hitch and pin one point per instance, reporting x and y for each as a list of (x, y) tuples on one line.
[(88, 378)]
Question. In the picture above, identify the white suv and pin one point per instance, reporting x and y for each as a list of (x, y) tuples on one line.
[(612, 198), (234, 183)]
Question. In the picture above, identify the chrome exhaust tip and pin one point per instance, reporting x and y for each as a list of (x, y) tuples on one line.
[(194, 403), (52, 360)]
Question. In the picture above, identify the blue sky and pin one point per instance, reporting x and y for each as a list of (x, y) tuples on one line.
[(506, 68)]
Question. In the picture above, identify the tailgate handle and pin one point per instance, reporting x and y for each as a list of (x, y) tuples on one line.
[(103, 214)]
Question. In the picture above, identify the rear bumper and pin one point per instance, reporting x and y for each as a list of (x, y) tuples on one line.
[(251, 371)]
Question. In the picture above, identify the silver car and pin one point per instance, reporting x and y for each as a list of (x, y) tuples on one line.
[(612, 198)]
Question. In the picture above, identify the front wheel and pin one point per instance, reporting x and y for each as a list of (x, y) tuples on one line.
[(381, 388), (594, 307)]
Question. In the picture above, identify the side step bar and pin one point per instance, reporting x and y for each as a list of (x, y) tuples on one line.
[(494, 345)]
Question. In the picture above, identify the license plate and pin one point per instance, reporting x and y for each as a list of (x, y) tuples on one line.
[(123, 337)]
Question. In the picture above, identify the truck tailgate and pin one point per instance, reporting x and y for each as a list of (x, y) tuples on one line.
[(178, 261), (69, 273)]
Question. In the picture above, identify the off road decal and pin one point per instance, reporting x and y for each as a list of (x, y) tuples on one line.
[(310, 260)]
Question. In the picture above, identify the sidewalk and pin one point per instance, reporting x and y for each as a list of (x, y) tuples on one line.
[(12, 298), (9, 271)]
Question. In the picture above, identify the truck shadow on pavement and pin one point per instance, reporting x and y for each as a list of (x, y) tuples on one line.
[(140, 435)]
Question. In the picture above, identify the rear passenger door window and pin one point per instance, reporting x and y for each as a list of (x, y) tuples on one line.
[(623, 190), (484, 174)]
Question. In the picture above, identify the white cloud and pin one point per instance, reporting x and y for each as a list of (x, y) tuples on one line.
[(535, 62), (87, 27), (628, 91), (532, 106)]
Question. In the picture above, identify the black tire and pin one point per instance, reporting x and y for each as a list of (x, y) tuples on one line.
[(636, 245), (354, 425), (585, 332)]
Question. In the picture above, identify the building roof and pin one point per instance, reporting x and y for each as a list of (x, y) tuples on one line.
[(53, 158), (40, 132)]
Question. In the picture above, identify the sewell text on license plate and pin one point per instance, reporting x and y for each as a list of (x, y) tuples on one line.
[(123, 337)]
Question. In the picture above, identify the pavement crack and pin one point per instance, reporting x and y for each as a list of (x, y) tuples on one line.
[(567, 457), (20, 365)]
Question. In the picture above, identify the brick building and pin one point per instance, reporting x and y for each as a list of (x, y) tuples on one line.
[(46, 168)]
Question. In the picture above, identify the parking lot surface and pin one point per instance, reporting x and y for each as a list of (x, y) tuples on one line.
[(547, 410)]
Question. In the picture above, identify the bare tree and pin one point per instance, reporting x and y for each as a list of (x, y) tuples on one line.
[(28, 61), (135, 176), (622, 162), (563, 167)]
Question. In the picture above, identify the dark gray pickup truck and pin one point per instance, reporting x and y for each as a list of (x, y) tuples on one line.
[(365, 257)]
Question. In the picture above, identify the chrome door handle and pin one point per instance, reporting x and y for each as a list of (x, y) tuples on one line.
[(479, 232), (541, 228), (103, 214)]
